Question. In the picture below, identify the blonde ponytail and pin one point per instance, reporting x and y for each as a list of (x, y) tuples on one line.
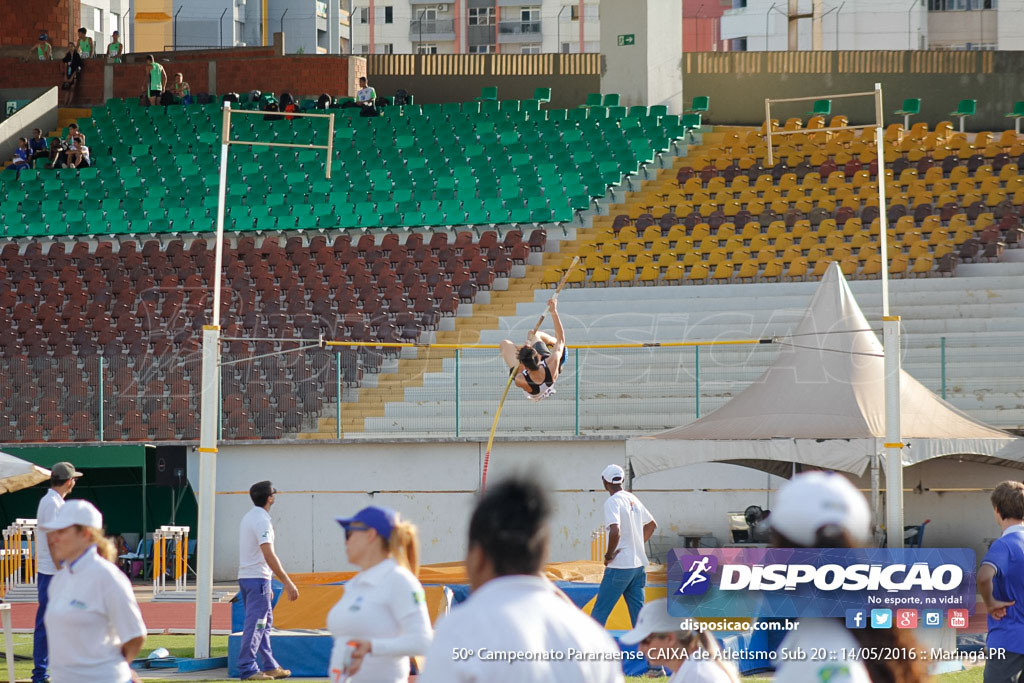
[(104, 546), (404, 546)]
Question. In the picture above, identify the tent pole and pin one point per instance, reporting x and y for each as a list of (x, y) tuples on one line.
[(875, 502)]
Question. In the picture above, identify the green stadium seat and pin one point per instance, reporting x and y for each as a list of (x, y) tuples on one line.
[(911, 107), (488, 94), (963, 110)]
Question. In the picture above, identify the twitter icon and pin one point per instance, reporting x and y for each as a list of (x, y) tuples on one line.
[(881, 618)]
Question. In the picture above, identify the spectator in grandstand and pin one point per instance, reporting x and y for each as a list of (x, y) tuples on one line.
[(63, 477), (257, 562), (182, 91), (22, 157), (824, 510), (92, 613), (72, 72), (630, 526), (38, 145), (662, 643), (115, 49), (42, 50), (382, 618), (58, 154), (73, 132), (513, 607), (537, 364), (78, 154), (86, 46), (366, 99), (1001, 585), (156, 80)]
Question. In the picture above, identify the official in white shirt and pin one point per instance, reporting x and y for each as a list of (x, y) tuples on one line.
[(257, 562), (824, 510), (630, 526), (92, 617), (691, 657), (382, 618), (62, 481), (516, 626)]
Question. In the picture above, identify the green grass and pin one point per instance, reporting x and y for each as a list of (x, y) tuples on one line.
[(181, 646)]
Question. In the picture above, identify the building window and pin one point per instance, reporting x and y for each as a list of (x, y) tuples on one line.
[(97, 21), (481, 16), (426, 49), (529, 14), (321, 9), (574, 12), (428, 14), (364, 49), (531, 49), (958, 5), (389, 14), (565, 47), (385, 48), (363, 15), (480, 49)]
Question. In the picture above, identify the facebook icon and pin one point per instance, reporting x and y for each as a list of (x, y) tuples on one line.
[(856, 618)]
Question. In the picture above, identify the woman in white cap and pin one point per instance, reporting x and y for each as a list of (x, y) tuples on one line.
[(92, 617), (382, 618), (824, 510), (691, 657)]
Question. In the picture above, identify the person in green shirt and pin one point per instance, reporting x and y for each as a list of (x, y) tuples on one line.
[(156, 80), (42, 51), (86, 46), (115, 50), (181, 90)]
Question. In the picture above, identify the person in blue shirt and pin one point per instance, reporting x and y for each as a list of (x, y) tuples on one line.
[(1001, 585), (39, 145)]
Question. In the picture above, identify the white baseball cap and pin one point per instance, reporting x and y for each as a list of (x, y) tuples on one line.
[(813, 500), (80, 512), (653, 618), (613, 474)]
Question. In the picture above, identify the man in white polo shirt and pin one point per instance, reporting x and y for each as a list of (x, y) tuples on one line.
[(630, 526), (516, 626), (257, 562), (62, 480)]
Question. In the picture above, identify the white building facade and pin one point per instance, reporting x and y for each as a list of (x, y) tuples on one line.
[(757, 25), (474, 26), (100, 18)]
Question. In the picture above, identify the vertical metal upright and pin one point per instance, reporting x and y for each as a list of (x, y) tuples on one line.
[(458, 359), (100, 398), (696, 376)]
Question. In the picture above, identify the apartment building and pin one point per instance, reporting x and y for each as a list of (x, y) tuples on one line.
[(475, 26), (878, 25)]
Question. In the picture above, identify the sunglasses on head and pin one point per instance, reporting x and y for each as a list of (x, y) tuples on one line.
[(353, 528)]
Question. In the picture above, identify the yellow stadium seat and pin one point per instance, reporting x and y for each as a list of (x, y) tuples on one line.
[(783, 242), (773, 269), (676, 233), (748, 270), (922, 265), (815, 254), (716, 256), (627, 234), (674, 273), (625, 275), (834, 241), (725, 231), (576, 277), (849, 267), (898, 265), (643, 260), (872, 266), (551, 275), (649, 274), (633, 249), (601, 276), (592, 261), (820, 267), (939, 236), (700, 231), (651, 233), (797, 269), (841, 253), (759, 242), (723, 271), (941, 250), (778, 206), (698, 272), (666, 259), (919, 249), (692, 258), (617, 261), (801, 227)]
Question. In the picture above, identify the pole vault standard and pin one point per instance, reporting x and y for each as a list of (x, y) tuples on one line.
[(209, 397), (890, 323)]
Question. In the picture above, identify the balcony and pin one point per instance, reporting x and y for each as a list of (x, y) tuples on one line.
[(519, 31), (431, 29)]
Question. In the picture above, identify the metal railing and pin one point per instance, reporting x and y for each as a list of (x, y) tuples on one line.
[(442, 392), (430, 27), (519, 28)]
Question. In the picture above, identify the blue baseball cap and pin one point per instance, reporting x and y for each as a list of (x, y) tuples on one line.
[(382, 520)]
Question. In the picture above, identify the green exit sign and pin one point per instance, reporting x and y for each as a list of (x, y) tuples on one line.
[(627, 39)]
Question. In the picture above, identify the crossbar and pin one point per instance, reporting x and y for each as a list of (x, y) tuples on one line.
[(282, 114), (823, 97), (278, 144), (822, 130)]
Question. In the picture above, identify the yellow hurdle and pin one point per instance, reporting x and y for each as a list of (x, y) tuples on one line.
[(168, 539)]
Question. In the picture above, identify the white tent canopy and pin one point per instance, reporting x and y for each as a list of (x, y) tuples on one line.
[(822, 404), (17, 474)]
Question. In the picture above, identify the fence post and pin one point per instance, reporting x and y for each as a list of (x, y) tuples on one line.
[(942, 363), (339, 390), (696, 374), (220, 404), (458, 359), (101, 398), (576, 360)]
